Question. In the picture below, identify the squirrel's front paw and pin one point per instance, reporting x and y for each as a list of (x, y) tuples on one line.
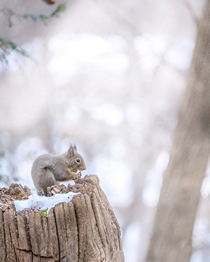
[(78, 175), (73, 174)]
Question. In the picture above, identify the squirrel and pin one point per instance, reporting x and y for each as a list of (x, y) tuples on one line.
[(47, 170)]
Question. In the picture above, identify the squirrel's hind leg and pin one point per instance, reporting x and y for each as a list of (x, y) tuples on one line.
[(46, 180)]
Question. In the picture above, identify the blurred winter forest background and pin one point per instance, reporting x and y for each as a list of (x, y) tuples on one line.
[(109, 76)]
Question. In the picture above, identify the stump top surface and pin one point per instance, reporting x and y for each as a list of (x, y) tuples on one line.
[(17, 192)]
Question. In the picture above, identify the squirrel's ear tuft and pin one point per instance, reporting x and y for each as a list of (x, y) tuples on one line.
[(75, 148), (71, 151)]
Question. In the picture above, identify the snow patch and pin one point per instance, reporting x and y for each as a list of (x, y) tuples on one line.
[(42, 202)]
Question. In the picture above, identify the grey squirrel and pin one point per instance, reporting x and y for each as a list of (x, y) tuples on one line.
[(48, 170)]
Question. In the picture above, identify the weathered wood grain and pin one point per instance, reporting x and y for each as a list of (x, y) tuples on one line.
[(83, 230)]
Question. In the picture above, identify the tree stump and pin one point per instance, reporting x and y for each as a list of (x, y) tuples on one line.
[(84, 229)]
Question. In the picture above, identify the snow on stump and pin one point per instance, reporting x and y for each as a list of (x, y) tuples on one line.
[(84, 229)]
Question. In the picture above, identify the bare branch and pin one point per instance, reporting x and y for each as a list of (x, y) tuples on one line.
[(191, 11)]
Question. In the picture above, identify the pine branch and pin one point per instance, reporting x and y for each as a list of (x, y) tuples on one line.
[(3, 178), (2, 154), (6, 47), (43, 18)]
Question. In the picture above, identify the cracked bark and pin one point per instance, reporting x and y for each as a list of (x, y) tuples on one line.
[(83, 230)]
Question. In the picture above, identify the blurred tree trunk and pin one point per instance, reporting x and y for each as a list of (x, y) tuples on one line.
[(180, 193)]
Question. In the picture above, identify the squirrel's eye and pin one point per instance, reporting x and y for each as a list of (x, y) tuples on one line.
[(78, 160)]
